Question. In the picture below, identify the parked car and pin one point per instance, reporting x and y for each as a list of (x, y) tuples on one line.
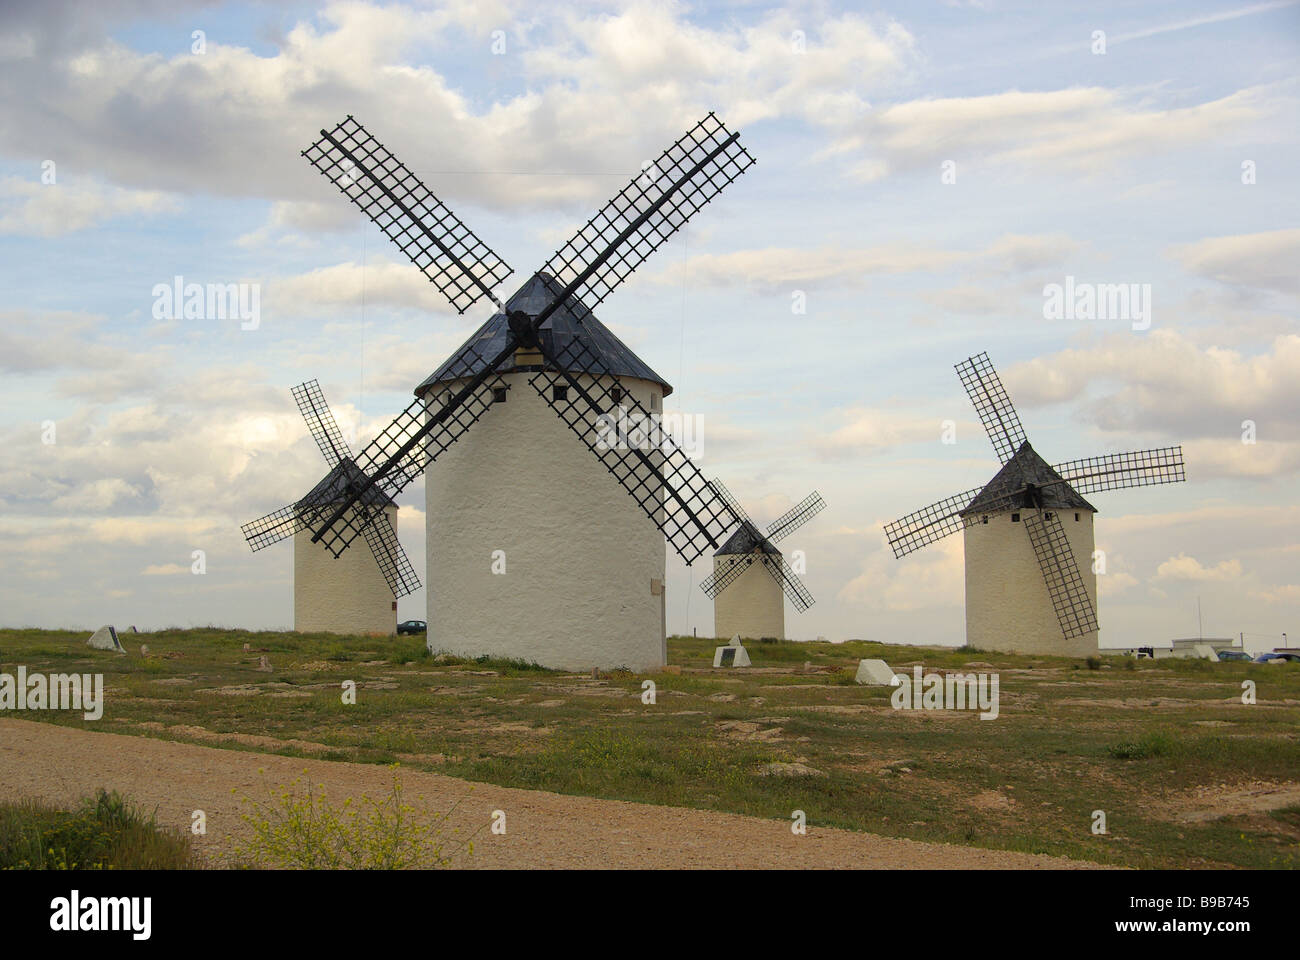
[(1273, 657), (1235, 655), (412, 626), (1289, 657)]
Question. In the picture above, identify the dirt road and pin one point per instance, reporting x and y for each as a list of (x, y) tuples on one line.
[(61, 765)]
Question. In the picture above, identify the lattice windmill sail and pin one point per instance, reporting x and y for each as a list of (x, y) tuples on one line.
[(380, 536), (546, 329), (1005, 609), (753, 607)]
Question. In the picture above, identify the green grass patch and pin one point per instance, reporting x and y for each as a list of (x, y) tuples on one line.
[(1127, 736), (106, 832)]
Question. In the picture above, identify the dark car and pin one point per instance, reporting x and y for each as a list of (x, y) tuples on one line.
[(412, 626), (1274, 657), (1235, 655)]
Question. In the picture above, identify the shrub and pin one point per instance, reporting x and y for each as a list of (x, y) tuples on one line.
[(1151, 745), (298, 828), (1094, 663), (106, 832)]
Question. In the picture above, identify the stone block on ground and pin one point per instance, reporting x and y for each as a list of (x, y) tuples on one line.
[(105, 638), (875, 673)]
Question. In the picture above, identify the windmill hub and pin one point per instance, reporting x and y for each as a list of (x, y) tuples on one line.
[(521, 325)]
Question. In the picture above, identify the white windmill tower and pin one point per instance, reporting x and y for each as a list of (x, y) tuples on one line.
[(351, 594), (532, 551), (524, 528), (751, 577), (1028, 540)]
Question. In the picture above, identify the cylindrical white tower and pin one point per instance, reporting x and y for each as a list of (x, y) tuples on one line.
[(534, 550), (345, 594), (1008, 606), (752, 606)]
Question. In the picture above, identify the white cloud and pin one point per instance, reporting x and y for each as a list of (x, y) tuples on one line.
[(164, 570), (1265, 261), (776, 268), (1164, 386), (1080, 130), (129, 115), (873, 431), (30, 208), (930, 578), (383, 283), (1184, 567)]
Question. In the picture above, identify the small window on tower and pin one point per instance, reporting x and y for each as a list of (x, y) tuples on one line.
[(1076, 518), (499, 394), (654, 402), (1049, 515), (984, 519), (616, 394), (1015, 518), (559, 393)]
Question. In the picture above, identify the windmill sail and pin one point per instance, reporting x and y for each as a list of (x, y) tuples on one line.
[(1065, 586), (794, 589), (720, 579), (666, 484), (651, 208), (367, 517), (460, 265), (795, 517), (993, 404), (929, 524), (1115, 471)]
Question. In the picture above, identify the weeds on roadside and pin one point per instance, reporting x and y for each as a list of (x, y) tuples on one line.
[(297, 827), (106, 832)]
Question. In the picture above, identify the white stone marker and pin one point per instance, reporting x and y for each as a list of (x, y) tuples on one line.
[(875, 673), (105, 638), (731, 655)]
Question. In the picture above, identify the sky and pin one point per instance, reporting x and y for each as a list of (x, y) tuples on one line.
[(925, 172)]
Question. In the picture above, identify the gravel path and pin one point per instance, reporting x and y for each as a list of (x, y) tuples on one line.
[(61, 765)]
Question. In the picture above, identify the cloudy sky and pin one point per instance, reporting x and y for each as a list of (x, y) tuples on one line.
[(925, 171)]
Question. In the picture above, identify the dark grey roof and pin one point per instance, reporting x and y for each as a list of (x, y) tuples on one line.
[(332, 487), (744, 540), (1026, 468), (559, 329)]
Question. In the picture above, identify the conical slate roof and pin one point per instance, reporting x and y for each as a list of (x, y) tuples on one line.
[(744, 540), (556, 333), (332, 487), (1024, 469)]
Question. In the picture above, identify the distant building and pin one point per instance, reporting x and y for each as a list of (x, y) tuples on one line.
[(1206, 648)]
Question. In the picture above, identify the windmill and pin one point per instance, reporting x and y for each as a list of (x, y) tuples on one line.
[(578, 586), (753, 606), (1026, 590), (344, 595)]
